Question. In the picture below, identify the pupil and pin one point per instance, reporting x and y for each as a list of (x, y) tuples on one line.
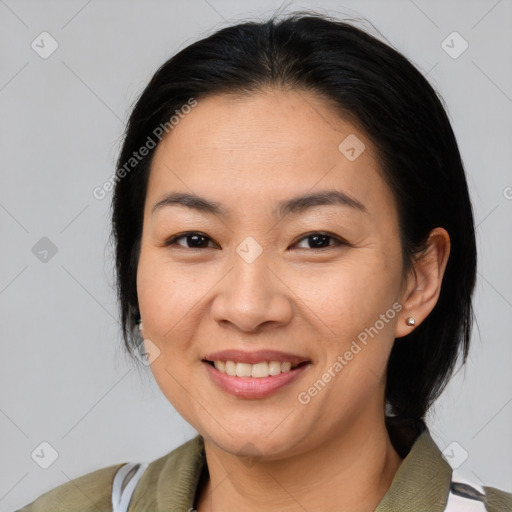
[(319, 240), (197, 240)]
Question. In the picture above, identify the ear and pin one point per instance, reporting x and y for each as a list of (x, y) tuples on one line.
[(423, 282)]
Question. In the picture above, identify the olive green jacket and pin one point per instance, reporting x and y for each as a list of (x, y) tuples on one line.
[(169, 484)]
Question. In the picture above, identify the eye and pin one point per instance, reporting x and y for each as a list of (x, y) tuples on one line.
[(320, 240), (193, 240), (197, 240)]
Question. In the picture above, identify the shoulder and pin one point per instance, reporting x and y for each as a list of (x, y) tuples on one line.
[(87, 493), (467, 495), (497, 500), (171, 481), (426, 481), (171, 477)]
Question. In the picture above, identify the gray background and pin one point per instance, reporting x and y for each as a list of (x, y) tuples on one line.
[(64, 377)]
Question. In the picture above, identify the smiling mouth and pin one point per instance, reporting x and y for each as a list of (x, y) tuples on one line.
[(258, 370)]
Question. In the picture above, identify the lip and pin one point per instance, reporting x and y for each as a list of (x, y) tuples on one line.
[(252, 387), (242, 356)]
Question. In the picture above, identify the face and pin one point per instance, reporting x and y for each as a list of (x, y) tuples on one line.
[(273, 293)]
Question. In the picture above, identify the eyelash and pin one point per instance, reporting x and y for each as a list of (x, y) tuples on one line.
[(338, 240)]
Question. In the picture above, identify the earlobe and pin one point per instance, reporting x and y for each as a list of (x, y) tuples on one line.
[(424, 282)]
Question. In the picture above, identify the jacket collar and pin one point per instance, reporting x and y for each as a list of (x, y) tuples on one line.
[(422, 481)]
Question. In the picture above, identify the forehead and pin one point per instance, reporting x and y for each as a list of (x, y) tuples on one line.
[(266, 145)]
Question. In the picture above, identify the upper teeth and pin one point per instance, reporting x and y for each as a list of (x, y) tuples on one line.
[(263, 369)]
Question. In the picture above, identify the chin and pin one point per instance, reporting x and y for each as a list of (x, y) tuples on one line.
[(257, 443)]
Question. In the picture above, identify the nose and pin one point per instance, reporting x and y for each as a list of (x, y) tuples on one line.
[(252, 297)]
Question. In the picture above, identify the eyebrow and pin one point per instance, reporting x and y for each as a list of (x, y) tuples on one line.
[(294, 205)]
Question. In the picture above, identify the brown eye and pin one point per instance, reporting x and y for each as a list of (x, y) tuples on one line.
[(192, 240), (320, 241)]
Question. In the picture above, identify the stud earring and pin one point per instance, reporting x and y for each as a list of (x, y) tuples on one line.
[(410, 321)]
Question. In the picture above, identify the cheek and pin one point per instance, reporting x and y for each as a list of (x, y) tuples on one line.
[(351, 296), (355, 313), (166, 301), (166, 296)]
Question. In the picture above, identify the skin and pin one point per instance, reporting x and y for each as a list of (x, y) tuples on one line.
[(248, 154)]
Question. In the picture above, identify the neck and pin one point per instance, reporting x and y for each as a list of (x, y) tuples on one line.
[(351, 472)]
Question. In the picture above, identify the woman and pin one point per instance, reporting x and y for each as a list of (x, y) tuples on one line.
[(295, 248)]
